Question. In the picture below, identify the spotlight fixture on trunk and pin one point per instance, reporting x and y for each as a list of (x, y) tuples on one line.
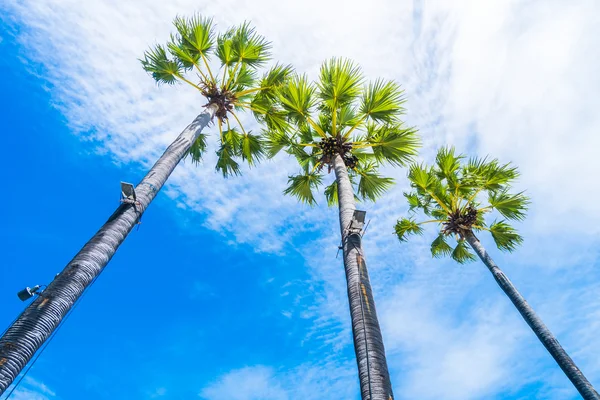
[(358, 221), (28, 293), (128, 193)]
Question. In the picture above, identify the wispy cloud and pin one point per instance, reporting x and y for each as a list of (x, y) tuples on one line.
[(32, 389)]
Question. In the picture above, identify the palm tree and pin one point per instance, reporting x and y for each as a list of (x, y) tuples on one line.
[(232, 88), (458, 198), (342, 124)]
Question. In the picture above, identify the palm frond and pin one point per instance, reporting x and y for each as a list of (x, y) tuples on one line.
[(248, 47), (196, 36), (274, 142), (347, 116), (224, 48), (339, 82), (372, 185), (505, 236), (265, 111), (414, 201), (243, 78), (440, 248), (405, 227), (252, 148), (382, 101), (511, 206), (448, 163), (272, 80), (331, 194), (296, 97), (186, 57), (160, 66), (226, 163), (198, 148), (302, 186), (421, 177), (461, 253), (394, 144)]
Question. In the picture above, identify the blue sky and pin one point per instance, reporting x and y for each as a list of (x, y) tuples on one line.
[(231, 291)]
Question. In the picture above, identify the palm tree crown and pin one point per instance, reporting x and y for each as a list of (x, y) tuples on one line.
[(452, 193), (340, 114), (231, 88)]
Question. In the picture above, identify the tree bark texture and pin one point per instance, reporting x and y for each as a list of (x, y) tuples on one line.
[(368, 343), (35, 325), (565, 362)]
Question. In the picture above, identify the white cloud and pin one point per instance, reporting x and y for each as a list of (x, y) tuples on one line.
[(32, 389), (307, 382), (513, 79), (250, 383)]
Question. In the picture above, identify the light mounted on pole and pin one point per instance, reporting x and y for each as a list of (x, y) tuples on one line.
[(28, 292)]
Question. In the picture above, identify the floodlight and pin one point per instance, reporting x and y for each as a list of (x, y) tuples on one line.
[(127, 191), (28, 293), (358, 220)]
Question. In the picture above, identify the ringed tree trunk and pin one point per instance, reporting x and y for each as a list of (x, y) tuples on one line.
[(559, 354), (373, 372), (33, 327)]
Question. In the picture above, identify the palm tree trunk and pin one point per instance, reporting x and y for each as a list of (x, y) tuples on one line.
[(368, 344), (27, 334), (565, 362)]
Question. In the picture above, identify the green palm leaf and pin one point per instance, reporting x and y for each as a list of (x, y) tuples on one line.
[(252, 149), (505, 236), (331, 194), (440, 248), (296, 97), (225, 48), (196, 36), (405, 227), (274, 142), (157, 63), (382, 101), (198, 148), (248, 47), (244, 78), (394, 144), (511, 206), (371, 185), (226, 162), (448, 163), (461, 253), (302, 186), (186, 57), (339, 82)]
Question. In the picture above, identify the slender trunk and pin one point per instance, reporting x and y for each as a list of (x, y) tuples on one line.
[(42, 316), (368, 344), (565, 362)]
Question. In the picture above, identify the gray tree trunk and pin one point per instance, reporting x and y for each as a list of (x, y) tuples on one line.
[(565, 362), (368, 344), (44, 314)]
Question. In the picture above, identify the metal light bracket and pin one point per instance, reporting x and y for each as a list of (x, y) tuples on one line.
[(358, 222), (355, 227), (28, 292), (128, 193)]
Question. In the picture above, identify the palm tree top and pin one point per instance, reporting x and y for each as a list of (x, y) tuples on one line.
[(341, 114), (232, 84), (458, 196)]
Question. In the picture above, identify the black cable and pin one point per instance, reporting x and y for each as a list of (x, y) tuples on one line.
[(60, 325)]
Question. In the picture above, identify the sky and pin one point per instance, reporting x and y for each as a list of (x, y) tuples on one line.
[(229, 290)]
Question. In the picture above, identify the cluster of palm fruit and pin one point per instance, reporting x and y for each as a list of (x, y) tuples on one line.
[(350, 160), (460, 221), (336, 145), (224, 99)]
